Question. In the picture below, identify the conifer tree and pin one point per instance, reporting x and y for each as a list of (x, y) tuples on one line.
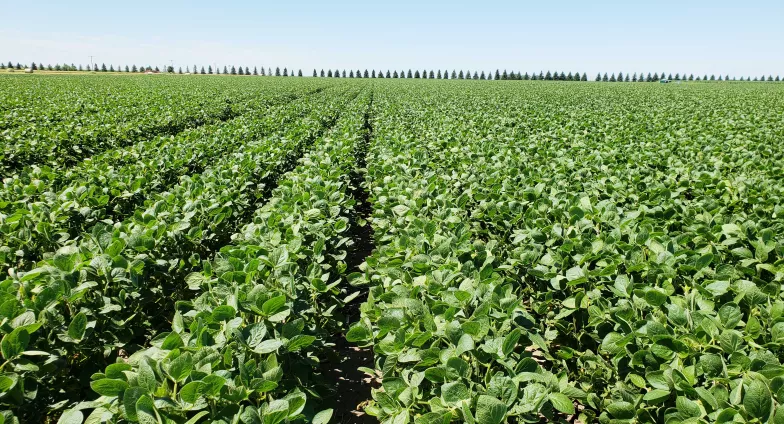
[(390, 76), (395, 75), (255, 70), (285, 72), (240, 72), (179, 70), (314, 73), (329, 74), (505, 75), (299, 73)]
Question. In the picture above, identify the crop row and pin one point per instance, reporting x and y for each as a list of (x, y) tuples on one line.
[(595, 253), (248, 346), (42, 215), (122, 113), (94, 301)]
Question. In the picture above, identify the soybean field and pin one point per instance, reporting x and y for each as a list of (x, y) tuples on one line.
[(264, 250)]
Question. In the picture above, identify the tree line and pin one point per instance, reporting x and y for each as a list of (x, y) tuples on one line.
[(416, 74)]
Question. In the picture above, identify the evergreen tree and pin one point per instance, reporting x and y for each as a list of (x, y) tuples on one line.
[(225, 70), (585, 77), (569, 76), (389, 75), (713, 77), (562, 77), (322, 73), (476, 76), (373, 74), (620, 76), (777, 78), (264, 73), (240, 72), (460, 75), (255, 70), (329, 74), (409, 75), (612, 78), (233, 70), (209, 69), (432, 76), (691, 77), (416, 74), (351, 74), (526, 76), (482, 77), (705, 77), (439, 74), (604, 77), (627, 78), (548, 76), (505, 76), (453, 75), (103, 67), (299, 73), (277, 71), (314, 73), (366, 74), (655, 76), (394, 75), (677, 76), (179, 70), (247, 71), (285, 72)]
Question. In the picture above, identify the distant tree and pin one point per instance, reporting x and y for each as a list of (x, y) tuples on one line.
[(620, 76), (209, 69), (526, 77), (285, 72), (605, 78), (225, 70), (57, 67), (157, 69), (351, 74), (179, 70), (691, 77), (778, 78), (431, 75), (247, 71), (103, 67), (388, 75), (612, 78), (416, 74), (240, 72), (329, 74), (627, 78), (476, 75), (169, 69), (409, 75), (505, 75), (366, 74), (233, 70), (585, 77), (460, 75), (299, 72), (655, 76), (705, 77), (482, 76), (395, 75), (548, 76), (713, 77)]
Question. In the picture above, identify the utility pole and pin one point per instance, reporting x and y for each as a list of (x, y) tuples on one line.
[(91, 63)]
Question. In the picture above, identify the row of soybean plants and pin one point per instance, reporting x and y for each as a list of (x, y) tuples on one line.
[(447, 331), (645, 277), (43, 210), (120, 111), (99, 298), (652, 253), (248, 347)]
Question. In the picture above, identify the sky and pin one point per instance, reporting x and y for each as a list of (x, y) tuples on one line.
[(701, 37)]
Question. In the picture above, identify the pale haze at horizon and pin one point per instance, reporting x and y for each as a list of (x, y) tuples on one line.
[(700, 37)]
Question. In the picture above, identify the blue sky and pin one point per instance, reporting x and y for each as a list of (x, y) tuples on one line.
[(721, 37)]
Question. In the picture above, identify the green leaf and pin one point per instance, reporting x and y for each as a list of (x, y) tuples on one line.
[(78, 326), (109, 386), (322, 417), (510, 341), (276, 412), (14, 343), (146, 377), (145, 410), (656, 396), (562, 403), (223, 313), (271, 306), (757, 400), (192, 391), (71, 417), (490, 410), (454, 392), (180, 367), (621, 410), (196, 418), (298, 342), (358, 333), (130, 397)]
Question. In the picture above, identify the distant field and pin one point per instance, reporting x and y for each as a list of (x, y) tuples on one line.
[(313, 250)]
